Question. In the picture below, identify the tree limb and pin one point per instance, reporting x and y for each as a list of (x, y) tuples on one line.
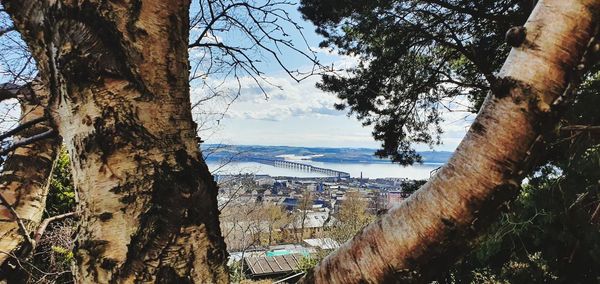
[(48, 134), (9, 91), (22, 127)]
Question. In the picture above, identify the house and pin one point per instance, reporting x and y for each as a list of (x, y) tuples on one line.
[(315, 223)]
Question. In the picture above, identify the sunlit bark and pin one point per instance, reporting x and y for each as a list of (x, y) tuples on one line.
[(426, 233), (118, 76), (24, 180)]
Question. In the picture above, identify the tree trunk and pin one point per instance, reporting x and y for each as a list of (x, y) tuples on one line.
[(118, 72), (427, 232), (24, 180)]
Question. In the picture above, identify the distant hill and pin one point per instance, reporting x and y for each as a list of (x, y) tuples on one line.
[(214, 152)]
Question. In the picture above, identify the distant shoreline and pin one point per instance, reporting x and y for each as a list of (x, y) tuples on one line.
[(251, 153), (213, 159), (210, 145)]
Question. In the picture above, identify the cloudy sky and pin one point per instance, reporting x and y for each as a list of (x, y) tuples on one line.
[(294, 114)]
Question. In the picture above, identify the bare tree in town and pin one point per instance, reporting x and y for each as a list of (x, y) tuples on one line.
[(352, 216), (298, 218)]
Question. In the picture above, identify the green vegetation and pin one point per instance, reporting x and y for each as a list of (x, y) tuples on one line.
[(54, 257), (307, 262), (66, 254), (61, 196)]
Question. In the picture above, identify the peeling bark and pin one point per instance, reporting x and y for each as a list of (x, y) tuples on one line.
[(118, 75), (427, 232), (24, 180)]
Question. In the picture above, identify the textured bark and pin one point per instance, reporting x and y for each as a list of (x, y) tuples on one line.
[(118, 72), (24, 180), (426, 233)]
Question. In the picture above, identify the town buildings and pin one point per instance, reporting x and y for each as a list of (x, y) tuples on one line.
[(271, 223)]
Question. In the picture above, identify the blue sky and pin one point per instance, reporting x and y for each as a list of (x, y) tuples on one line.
[(294, 114), (297, 114)]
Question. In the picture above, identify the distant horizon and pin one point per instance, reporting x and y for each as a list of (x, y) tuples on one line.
[(318, 147)]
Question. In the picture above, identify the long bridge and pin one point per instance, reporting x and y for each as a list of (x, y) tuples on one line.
[(303, 167)]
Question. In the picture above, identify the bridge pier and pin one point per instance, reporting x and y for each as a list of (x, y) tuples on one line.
[(303, 167)]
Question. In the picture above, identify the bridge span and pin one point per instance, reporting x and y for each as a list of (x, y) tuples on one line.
[(303, 167)]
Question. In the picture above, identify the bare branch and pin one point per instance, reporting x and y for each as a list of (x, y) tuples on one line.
[(22, 127), (585, 128), (42, 228), (29, 140), (9, 91), (264, 31), (6, 30)]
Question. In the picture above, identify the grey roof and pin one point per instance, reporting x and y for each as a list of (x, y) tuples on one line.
[(266, 265), (323, 243), (312, 219)]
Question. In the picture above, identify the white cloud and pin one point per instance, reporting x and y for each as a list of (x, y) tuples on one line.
[(302, 115), (340, 61), (285, 98)]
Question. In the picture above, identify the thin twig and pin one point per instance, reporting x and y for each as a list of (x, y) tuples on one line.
[(42, 228), (594, 217)]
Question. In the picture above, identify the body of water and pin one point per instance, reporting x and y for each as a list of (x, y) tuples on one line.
[(369, 170)]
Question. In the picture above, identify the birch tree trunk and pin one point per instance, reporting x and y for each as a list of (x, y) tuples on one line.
[(118, 76), (24, 180), (427, 232)]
